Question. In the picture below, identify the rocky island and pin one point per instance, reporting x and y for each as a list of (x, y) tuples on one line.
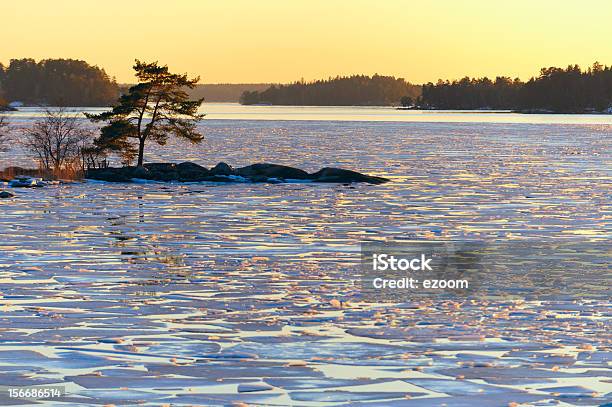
[(222, 172)]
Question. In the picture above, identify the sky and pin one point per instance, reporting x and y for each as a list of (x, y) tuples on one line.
[(257, 41)]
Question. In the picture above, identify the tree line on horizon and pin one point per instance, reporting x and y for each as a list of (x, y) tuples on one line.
[(376, 90), (67, 82), (56, 82), (570, 90)]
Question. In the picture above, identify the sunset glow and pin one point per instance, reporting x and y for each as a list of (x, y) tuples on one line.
[(280, 41)]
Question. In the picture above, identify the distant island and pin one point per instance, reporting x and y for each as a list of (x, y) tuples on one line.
[(356, 90), (75, 83), (554, 90), (217, 92), (224, 92), (56, 82)]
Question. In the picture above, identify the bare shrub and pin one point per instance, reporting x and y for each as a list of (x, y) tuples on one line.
[(61, 144)]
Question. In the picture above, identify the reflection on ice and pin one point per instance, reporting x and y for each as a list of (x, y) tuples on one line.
[(215, 294)]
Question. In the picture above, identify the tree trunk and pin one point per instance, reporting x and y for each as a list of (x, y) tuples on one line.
[(141, 152)]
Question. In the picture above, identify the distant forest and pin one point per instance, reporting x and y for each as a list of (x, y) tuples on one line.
[(65, 82), (69, 82), (570, 90), (356, 90), (224, 92), (216, 92), (558, 90)]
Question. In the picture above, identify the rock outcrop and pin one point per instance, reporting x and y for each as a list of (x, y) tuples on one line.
[(222, 172), (26, 182), (339, 175), (272, 171)]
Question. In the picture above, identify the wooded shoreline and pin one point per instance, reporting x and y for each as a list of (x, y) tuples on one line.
[(74, 83)]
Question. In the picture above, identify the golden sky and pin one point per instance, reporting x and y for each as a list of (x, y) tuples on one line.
[(285, 40)]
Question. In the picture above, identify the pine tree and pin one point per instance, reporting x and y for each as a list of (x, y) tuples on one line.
[(152, 110)]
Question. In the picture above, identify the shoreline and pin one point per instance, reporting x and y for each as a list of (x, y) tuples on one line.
[(393, 107)]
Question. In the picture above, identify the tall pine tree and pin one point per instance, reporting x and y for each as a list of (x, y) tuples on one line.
[(152, 110)]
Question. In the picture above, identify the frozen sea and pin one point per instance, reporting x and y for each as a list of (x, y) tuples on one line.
[(213, 294)]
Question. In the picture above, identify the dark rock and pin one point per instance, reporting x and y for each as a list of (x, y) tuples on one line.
[(344, 176), (191, 172), (159, 172), (6, 194), (272, 171), (110, 174), (263, 178), (160, 167), (219, 178), (141, 172), (258, 178), (222, 169), (222, 172)]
